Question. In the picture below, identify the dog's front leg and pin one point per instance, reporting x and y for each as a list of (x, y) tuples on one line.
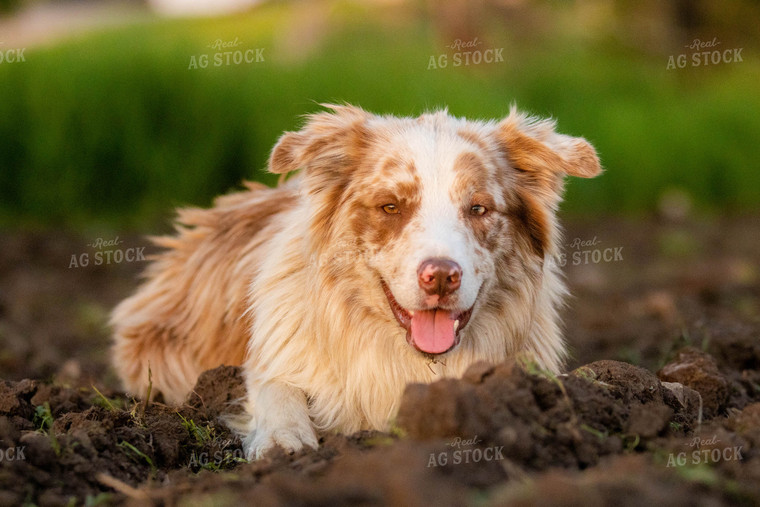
[(279, 416)]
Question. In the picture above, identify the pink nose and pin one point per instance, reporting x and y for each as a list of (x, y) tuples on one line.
[(439, 276)]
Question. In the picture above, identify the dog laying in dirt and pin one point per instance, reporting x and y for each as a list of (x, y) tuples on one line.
[(404, 250)]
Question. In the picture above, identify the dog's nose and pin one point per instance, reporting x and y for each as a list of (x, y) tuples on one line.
[(439, 276)]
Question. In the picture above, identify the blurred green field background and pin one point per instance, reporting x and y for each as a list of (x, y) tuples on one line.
[(113, 128)]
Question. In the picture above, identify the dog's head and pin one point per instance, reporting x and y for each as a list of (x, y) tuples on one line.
[(442, 215)]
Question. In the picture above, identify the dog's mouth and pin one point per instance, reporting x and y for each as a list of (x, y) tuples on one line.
[(431, 331)]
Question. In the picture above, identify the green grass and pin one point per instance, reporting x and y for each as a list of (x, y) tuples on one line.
[(136, 454), (113, 128), (43, 419), (111, 405), (201, 434)]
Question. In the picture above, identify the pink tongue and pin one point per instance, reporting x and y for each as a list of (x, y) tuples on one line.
[(433, 331)]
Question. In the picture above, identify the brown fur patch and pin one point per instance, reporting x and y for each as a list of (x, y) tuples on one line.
[(531, 222), (474, 138), (370, 221), (474, 186), (489, 230), (330, 141), (284, 157), (541, 167), (471, 177), (585, 163)]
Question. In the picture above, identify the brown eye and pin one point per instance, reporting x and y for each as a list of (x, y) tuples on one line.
[(391, 209), (478, 210)]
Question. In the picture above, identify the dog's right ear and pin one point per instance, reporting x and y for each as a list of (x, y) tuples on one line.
[(329, 141), (543, 157)]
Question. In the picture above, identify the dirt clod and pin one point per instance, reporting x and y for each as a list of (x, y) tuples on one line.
[(219, 391), (698, 370)]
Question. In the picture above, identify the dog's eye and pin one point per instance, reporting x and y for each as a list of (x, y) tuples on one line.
[(391, 209), (478, 210)]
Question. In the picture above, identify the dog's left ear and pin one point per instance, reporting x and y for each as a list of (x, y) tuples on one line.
[(329, 141), (543, 157)]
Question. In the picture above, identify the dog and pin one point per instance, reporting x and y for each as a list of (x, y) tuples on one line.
[(403, 250)]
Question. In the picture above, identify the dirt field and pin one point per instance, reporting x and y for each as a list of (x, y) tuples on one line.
[(660, 405)]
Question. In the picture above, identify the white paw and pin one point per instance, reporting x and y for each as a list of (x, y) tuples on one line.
[(260, 441)]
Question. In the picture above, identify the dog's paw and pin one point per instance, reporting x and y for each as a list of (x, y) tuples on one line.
[(259, 442)]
